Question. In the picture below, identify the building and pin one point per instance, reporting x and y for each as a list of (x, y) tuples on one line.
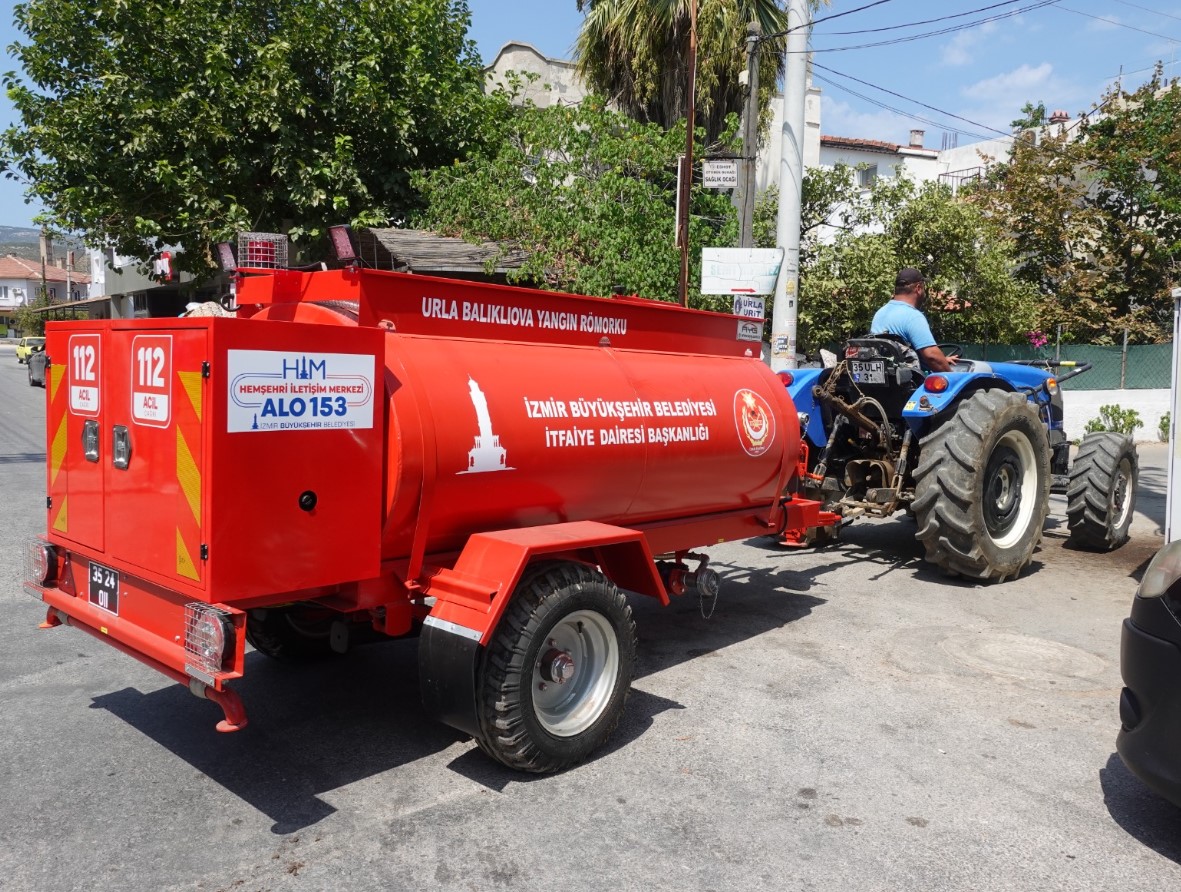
[(548, 81), (20, 286)]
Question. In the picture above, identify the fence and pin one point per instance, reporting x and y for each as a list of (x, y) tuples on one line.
[(1130, 367)]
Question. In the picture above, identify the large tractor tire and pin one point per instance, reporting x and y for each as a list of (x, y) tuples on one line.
[(294, 634), (1101, 496), (555, 676), (982, 487)]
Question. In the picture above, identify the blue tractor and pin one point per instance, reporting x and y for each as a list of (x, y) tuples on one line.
[(972, 454)]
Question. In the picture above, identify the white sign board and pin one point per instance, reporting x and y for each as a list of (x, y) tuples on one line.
[(278, 391), (740, 270), (750, 306), (719, 174)]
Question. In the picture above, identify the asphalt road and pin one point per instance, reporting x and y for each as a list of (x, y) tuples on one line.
[(846, 720)]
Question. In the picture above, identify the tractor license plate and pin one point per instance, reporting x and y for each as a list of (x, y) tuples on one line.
[(104, 588), (869, 372)]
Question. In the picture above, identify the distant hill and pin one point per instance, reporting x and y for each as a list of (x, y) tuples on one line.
[(25, 242)]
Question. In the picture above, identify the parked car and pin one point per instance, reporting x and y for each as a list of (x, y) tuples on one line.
[(1149, 741), (38, 365), (26, 347)]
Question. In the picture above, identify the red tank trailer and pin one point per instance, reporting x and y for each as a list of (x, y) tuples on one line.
[(358, 454)]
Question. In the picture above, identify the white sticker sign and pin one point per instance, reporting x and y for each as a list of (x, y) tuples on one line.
[(151, 380), (749, 306), (85, 373), (750, 331), (273, 390)]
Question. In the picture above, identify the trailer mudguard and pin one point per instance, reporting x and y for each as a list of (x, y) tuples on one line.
[(470, 599), (800, 391)]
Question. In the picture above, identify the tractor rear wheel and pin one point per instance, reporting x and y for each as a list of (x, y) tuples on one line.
[(982, 487), (293, 634), (1102, 491), (555, 676)]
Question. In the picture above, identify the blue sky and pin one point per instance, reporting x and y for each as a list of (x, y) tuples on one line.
[(1063, 54)]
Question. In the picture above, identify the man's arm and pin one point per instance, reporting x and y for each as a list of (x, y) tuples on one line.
[(934, 359)]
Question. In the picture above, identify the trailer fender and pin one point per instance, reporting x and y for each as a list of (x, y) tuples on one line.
[(800, 391), (471, 598)]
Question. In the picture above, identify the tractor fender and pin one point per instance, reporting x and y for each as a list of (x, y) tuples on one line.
[(925, 405), (800, 391)]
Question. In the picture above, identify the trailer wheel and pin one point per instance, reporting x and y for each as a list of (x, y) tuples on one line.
[(555, 676), (1102, 491), (982, 487), (291, 634)]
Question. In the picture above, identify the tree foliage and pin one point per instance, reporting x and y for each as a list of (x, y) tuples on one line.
[(854, 241), (1096, 216), (155, 122), (589, 193), (636, 53)]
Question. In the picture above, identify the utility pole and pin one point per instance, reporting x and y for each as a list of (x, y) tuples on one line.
[(685, 181), (750, 136), (791, 181)]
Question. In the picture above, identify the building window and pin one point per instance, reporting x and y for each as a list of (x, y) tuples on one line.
[(53, 293), (866, 175), (3, 292)]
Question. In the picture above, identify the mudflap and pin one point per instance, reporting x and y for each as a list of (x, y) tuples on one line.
[(447, 663)]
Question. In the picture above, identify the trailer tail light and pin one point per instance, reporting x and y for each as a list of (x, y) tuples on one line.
[(935, 384), (40, 563), (209, 639)]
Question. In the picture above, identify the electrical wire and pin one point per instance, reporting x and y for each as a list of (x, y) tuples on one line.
[(1118, 24), (1147, 9), (936, 33), (837, 15), (958, 15), (886, 107)]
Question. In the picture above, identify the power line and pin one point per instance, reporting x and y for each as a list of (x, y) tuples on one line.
[(937, 33), (885, 106), (1118, 24), (1148, 9), (958, 15), (829, 18)]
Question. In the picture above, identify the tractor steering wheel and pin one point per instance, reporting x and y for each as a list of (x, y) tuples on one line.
[(951, 351)]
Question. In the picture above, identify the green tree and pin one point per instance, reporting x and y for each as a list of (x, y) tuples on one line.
[(1096, 216), (155, 122), (588, 193), (636, 53), (854, 241)]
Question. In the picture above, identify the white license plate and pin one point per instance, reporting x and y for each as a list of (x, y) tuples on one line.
[(869, 372), (104, 588)]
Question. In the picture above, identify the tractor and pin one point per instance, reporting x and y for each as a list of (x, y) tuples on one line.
[(973, 454)]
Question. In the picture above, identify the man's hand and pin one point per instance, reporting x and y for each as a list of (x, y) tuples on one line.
[(934, 360)]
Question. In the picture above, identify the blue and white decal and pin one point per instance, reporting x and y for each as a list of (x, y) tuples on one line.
[(274, 390)]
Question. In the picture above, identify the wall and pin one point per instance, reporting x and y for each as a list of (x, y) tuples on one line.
[(1082, 405), (557, 82)]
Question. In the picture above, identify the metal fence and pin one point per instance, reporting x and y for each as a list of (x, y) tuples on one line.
[(1118, 367)]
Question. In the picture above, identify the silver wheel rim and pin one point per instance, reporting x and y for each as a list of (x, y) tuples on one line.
[(583, 652), (1013, 488), (1121, 505)]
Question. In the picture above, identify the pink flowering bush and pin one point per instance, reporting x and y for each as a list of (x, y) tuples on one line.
[(1037, 339)]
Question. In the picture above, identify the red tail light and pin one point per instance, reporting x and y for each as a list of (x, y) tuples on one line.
[(935, 384), (787, 378)]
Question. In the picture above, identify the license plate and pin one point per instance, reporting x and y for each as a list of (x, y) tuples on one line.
[(104, 588), (871, 372)]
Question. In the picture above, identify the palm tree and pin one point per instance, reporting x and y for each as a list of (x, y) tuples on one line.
[(635, 52)]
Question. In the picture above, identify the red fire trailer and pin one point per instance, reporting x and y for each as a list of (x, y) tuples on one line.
[(357, 454)]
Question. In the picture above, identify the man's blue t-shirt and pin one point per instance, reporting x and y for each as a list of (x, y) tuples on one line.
[(900, 318)]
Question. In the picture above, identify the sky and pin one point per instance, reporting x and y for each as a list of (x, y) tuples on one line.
[(1064, 54)]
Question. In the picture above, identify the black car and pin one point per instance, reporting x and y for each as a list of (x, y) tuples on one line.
[(1150, 660), (38, 365)]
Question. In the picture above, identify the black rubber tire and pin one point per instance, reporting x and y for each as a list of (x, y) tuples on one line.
[(294, 634), (29, 366), (982, 487), (1101, 496), (512, 731)]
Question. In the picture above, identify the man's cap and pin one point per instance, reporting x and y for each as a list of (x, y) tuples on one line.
[(907, 276)]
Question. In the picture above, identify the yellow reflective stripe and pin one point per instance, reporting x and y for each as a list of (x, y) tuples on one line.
[(62, 524), (191, 382), (188, 476), (56, 374), (184, 562), (57, 451)]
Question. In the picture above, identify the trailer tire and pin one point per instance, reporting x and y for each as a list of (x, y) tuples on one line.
[(982, 487), (561, 616), (1101, 495), (294, 634)]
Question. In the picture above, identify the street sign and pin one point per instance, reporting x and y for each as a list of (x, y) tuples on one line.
[(740, 270), (749, 306), (721, 174)]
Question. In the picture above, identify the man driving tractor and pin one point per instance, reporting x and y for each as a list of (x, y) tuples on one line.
[(903, 316)]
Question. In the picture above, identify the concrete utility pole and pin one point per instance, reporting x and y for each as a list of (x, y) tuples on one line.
[(791, 181), (685, 183), (750, 137)]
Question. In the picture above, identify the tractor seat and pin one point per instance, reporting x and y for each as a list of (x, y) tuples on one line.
[(883, 346)]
